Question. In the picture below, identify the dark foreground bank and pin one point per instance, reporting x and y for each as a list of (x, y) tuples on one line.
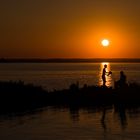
[(20, 97)]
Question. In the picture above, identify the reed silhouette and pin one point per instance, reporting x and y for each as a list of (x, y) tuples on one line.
[(19, 97)]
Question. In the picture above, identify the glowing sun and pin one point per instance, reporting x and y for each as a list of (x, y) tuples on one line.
[(105, 42)]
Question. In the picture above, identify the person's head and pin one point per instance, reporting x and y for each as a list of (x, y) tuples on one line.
[(105, 66), (121, 73)]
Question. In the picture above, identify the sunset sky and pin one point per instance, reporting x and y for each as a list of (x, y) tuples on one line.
[(69, 28)]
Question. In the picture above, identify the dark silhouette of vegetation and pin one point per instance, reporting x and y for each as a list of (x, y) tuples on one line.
[(20, 97), (72, 60)]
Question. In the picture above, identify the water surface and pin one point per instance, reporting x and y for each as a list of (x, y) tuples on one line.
[(73, 123), (61, 75), (70, 123)]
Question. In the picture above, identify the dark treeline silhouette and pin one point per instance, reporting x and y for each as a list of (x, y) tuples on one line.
[(64, 60), (19, 97)]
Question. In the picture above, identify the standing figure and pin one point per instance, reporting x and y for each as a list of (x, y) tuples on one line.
[(122, 82), (104, 75)]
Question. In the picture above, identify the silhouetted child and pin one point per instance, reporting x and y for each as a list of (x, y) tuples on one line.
[(122, 81)]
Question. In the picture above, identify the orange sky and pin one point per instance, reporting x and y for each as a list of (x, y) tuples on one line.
[(69, 28)]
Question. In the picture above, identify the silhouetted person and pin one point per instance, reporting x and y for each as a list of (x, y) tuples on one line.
[(104, 75), (122, 81)]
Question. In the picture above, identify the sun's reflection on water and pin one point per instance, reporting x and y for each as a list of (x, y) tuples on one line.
[(109, 81)]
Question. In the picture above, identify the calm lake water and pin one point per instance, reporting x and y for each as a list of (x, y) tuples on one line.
[(62, 123), (73, 124), (61, 75)]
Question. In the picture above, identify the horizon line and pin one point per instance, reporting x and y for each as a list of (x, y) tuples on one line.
[(66, 60)]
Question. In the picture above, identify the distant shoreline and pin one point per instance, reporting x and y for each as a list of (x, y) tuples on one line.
[(71, 60)]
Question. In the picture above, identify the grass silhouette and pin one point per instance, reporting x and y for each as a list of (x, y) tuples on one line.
[(20, 97)]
